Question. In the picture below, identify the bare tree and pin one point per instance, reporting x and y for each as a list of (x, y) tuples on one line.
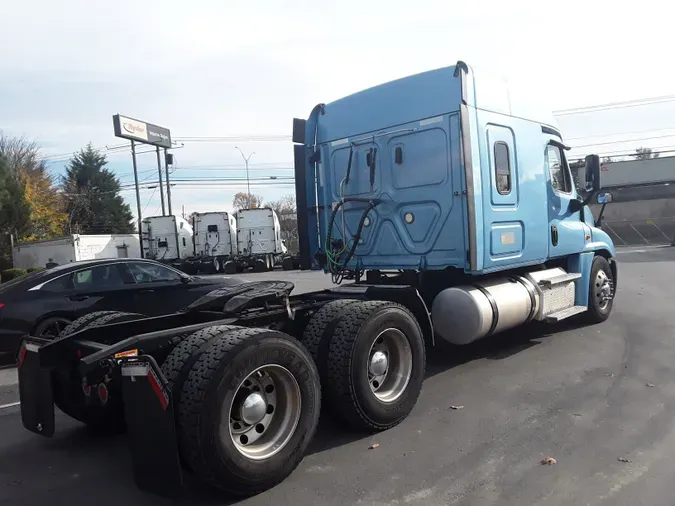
[(644, 154), (243, 200)]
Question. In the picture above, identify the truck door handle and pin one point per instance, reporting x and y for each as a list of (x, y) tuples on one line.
[(554, 235), (78, 298)]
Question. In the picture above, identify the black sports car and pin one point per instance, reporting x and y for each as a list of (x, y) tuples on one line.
[(43, 303)]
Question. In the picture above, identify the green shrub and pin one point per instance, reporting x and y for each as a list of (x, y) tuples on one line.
[(9, 274), (33, 269)]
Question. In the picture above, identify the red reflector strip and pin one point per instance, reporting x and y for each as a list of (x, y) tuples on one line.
[(22, 354), (2, 305), (159, 391)]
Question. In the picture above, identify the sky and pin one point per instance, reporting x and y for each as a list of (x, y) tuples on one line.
[(243, 70)]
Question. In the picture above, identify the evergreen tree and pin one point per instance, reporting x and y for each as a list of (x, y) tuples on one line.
[(93, 199), (14, 212)]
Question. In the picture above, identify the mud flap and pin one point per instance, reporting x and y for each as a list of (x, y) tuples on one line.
[(149, 415), (35, 392)]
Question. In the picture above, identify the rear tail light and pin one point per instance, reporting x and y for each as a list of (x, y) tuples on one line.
[(2, 304)]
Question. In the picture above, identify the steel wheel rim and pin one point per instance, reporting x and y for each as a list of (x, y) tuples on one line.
[(602, 289), (216, 264), (54, 328), (260, 431), (389, 366)]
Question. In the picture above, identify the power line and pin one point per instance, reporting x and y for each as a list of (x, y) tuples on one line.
[(615, 105), (621, 133), (625, 140), (148, 202), (240, 138)]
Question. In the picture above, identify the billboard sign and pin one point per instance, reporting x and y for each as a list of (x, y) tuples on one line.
[(140, 131)]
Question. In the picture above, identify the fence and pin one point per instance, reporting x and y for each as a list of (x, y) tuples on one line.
[(638, 232)]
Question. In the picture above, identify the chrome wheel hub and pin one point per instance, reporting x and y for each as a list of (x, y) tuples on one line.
[(379, 364), (389, 365), (263, 414), (253, 409), (603, 289)]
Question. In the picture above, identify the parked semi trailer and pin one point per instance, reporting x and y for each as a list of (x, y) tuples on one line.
[(259, 243), (451, 209), (167, 239), (215, 242)]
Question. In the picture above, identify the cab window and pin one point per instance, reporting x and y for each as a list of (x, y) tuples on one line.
[(560, 176)]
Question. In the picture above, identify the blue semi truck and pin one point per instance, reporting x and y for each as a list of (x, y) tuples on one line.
[(452, 214)]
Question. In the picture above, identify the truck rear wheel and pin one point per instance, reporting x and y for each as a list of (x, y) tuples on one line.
[(230, 267), (601, 291), (375, 365), (318, 333), (69, 396), (181, 359), (287, 264), (248, 410)]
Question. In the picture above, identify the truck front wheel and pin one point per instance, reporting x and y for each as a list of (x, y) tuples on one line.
[(375, 366), (601, 291), (248, 410)]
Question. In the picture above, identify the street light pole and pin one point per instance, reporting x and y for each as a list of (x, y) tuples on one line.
[(248, 182)]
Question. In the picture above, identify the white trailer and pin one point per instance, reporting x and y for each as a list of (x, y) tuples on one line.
[(167, 239), (215, 240), (73, 248), (259, 243)]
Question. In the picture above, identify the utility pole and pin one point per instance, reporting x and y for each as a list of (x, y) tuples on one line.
[(161, 186), (248, 182), (168, 160)]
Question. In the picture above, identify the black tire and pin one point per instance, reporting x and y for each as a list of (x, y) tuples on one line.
[(67, 384), (230, 267), (51, 328), (260, 265), (181, 359), (83, 321), (596, 313), (320, 329), (214, 381), (287, 264), (346, 383)]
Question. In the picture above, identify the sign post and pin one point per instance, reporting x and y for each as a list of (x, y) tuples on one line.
[(138, 196), (146, 133)]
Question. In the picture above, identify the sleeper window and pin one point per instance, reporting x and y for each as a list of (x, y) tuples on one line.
[(502, 168), (560, 179)]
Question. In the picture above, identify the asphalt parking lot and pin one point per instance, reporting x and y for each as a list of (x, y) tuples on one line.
[(599, 400)]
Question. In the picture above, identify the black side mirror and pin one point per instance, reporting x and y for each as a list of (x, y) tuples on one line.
[(592, 173), (299, 126)]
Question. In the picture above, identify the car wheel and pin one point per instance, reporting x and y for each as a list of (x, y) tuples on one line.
[(50, 328)]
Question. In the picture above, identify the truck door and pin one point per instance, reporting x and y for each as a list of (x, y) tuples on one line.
[(567, 231)]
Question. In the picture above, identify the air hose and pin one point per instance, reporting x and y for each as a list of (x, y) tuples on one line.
[(336, 271)]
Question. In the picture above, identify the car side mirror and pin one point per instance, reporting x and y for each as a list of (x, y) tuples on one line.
[(604, 198), (592, 166)]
